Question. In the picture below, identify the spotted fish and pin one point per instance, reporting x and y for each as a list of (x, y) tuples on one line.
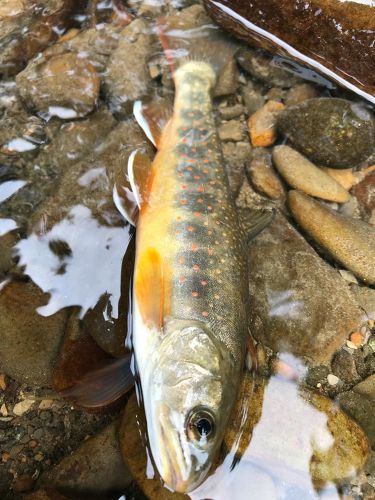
[(190, 296)]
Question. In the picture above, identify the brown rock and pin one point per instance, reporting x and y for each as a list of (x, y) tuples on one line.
[(344, 177), (29, 342), (227, 82), (65, 81), (301, 174), (361, 409), (252, 99), (262, 124), (230, 112), (7, 242), (300, 93), (264, 178), (298, 304), (344, 367), (365, 194), (95, 468), (231, 131), (236, 155), (350, 241)]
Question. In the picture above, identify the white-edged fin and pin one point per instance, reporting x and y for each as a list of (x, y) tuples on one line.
[(142, 122), (130, 190)]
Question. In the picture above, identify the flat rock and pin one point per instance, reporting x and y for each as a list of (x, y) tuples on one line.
[(298, 303), (361, 409), (252, 98), (94, 468), (301, 174), (227, 82), (349, 241), (300, 92), (127, 77), (344, 177), (231, 131), (366, 387), (331, 132), (66, 86), (29, 341)]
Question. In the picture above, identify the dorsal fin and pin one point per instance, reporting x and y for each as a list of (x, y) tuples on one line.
[(130, 191), (153, 118)]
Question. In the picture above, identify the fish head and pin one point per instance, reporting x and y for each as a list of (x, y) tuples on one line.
[(188, 400)]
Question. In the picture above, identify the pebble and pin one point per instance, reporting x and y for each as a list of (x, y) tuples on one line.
[(230, 112), (95, 468), (262, 124), (299, 93), (331, 132), (301, 174), (332, 379), (66, 86), (349, 241), (344, 177), (344, 367), (127, 78), (29, 341), (298, 304), (264, 178), (231, 131), (252, 98), (23, 407), (227, 82)]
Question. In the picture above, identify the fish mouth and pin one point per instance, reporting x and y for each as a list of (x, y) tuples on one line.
[(175, 461)]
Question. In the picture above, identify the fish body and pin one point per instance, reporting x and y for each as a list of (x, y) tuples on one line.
[(190, 292)]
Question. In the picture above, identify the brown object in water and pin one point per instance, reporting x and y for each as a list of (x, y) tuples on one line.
[(331, 36)]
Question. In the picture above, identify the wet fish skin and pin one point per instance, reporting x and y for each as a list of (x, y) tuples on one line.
[(190, 288)]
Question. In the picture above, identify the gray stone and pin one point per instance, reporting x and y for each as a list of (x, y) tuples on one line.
[(332, 132), (366, 387), (229, 112), (361, 409), (344, 367), (253, 99), (298, 304), (231, 131)]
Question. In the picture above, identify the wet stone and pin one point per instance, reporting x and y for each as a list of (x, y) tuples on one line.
[(66, 86), (301, 174), (236, 156), (263, 176), (231, 131), (227, 82), (300, 93), (229, 112), (95, 467), (298, 303), (252, 98), (361, 409), (127, 77), (366, 387), (366, 299), (344, 367), (29, 341), (262, 124), (365, 194), (331, 132), (349, 241), (259, 65)]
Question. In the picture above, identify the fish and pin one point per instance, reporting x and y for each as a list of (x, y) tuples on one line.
[(190, 292)]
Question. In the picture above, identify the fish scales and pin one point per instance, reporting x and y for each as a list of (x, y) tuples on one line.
[(203, 240)]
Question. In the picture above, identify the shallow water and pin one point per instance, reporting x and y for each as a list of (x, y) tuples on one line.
[(303, 423)]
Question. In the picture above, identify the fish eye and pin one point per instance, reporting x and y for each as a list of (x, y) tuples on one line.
[(200, 424)]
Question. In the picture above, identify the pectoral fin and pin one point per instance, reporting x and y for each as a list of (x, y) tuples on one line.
[(153, 118), (131, 189), (258, 221)]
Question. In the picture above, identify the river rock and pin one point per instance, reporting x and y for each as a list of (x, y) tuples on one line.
[(231, 131), (7, 242), (366, 299), (262, 124), (331, 132), (349, 241), (344, 177), (344, 367), (127, 77), (236, 155), (365, 194), (298, 303), (361, 409), (301, 92), (95, 468), (263, 177), (366, 387), (29, 341), (301, 174), (299, 30), (252, 98), (66, 86)]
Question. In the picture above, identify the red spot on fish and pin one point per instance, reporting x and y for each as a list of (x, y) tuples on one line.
[(181, 260), (209, 207), (205, 314), (205, 160), (196, 268), (190, 229), (200, 200), (209, 232), (203, 283), (194, 247), (183, 186), (183, 202), (189, 169), (205, 170), (197, 214), (181, 279), (194, 294), (201, 189), (197, 177)]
